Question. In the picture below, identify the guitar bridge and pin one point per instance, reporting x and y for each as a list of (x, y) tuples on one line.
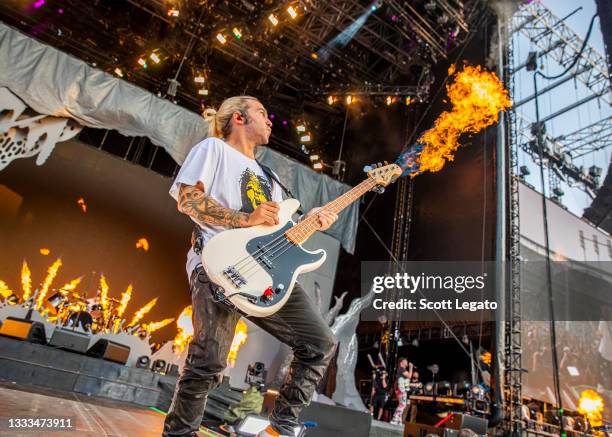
[(234, 275)]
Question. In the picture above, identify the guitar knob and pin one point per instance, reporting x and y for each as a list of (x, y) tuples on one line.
[(280, 288)]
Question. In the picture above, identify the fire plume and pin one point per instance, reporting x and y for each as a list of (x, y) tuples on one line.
[(70, 286), (143, 244), (104, 298), (154, 326), (591, 405), (477, 96), (51, 273), (185, 330), (5, 291), (141, 312), (26, 281), (240, 338), (125, 299)]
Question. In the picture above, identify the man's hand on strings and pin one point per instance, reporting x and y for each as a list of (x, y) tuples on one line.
[(326, 218)]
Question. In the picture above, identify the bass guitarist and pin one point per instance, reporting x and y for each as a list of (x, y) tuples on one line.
[(221, 186)]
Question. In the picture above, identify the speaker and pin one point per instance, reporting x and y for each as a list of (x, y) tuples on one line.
[(336, 421), (70, 340), (110, 351), (28, 330), (462, 421), (143, 362)]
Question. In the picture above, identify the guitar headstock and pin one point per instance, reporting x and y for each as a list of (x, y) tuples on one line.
[(384, 174)]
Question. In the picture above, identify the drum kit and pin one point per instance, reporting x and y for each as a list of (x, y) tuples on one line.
[(73, 311)]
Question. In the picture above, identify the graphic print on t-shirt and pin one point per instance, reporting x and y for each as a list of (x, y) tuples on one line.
[(254, 190)]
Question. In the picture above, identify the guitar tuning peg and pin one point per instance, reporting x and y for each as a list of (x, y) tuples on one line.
[(386, 162), (367, 168), (380, 164)]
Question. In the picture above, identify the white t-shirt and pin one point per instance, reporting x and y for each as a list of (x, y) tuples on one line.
[(231, 178)]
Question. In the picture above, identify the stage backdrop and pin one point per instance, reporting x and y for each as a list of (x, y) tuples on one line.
[(91, 209)]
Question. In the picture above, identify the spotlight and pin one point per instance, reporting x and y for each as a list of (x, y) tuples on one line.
[(389, 100), (155, 58), (305, 139), (273, 19), (300, 127), (237, 33), (203, 92), (408, 100), (318, 165), (314, 157), (285, 122), (331, 100), (198, 79), (118, 72), (142, 62), (350, 100), (221, 38), (173, 12), (159, 366), (291, 10), (143, 362), (313, 55)]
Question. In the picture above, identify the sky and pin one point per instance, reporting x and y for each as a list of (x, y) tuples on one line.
[(574, 199)]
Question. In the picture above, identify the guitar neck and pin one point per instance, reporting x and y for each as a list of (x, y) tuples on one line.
[(303, 230)]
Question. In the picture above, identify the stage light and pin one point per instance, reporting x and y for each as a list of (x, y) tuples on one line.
[(331, 100), (314, 157), (198, 79), (155, 57), (291, 10), (285, 122), (143, 362), (300, 127), (142, 62), (313, 55), (408, 100), (273, 19), (118, 72), (221, 38), (173, 12), (317, 165), (237, 33), (305, 138), (203, 92), (389, 100), (159, 366), (350, 100), (44, 251)]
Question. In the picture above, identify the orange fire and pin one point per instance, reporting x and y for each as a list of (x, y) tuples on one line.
[(125, 299), (141, 312), (104, 299), (154, 326), (5, 291), (44, 251), (143, 244), (51, 273), (185, 330), (26, 281), (591, 405), (240, 338), (82, 204), (70, 286), (477, 97)]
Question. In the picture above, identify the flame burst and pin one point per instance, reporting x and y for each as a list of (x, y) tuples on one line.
[(477, 97), (154, 326), (591, 405), (26, 281), (125, 299), (5, 291), (141, 312), (240, 338), (104, 299), (185, 330), (143, 244), (70, 286), (82, 204), (51, 273), (44, 251)]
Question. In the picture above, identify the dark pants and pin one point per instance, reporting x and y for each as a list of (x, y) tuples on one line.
[(297, 324)]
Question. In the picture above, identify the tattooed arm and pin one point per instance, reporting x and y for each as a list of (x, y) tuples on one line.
[(193, 201)]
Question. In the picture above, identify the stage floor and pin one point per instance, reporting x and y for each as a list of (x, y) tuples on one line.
[(92, 416)]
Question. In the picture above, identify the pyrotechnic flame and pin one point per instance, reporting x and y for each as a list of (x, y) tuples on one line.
[(104, 299), (142, 243), (591, 405), (154, 326), (44, 251), (82, 204), (477, 97), (125, 299), (70, 286), (26, 281), (5, 291), (185, 330), (141, 312), (240, 338), (51, 273)]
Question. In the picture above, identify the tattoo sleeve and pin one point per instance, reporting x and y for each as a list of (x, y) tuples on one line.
[(204, 209)]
